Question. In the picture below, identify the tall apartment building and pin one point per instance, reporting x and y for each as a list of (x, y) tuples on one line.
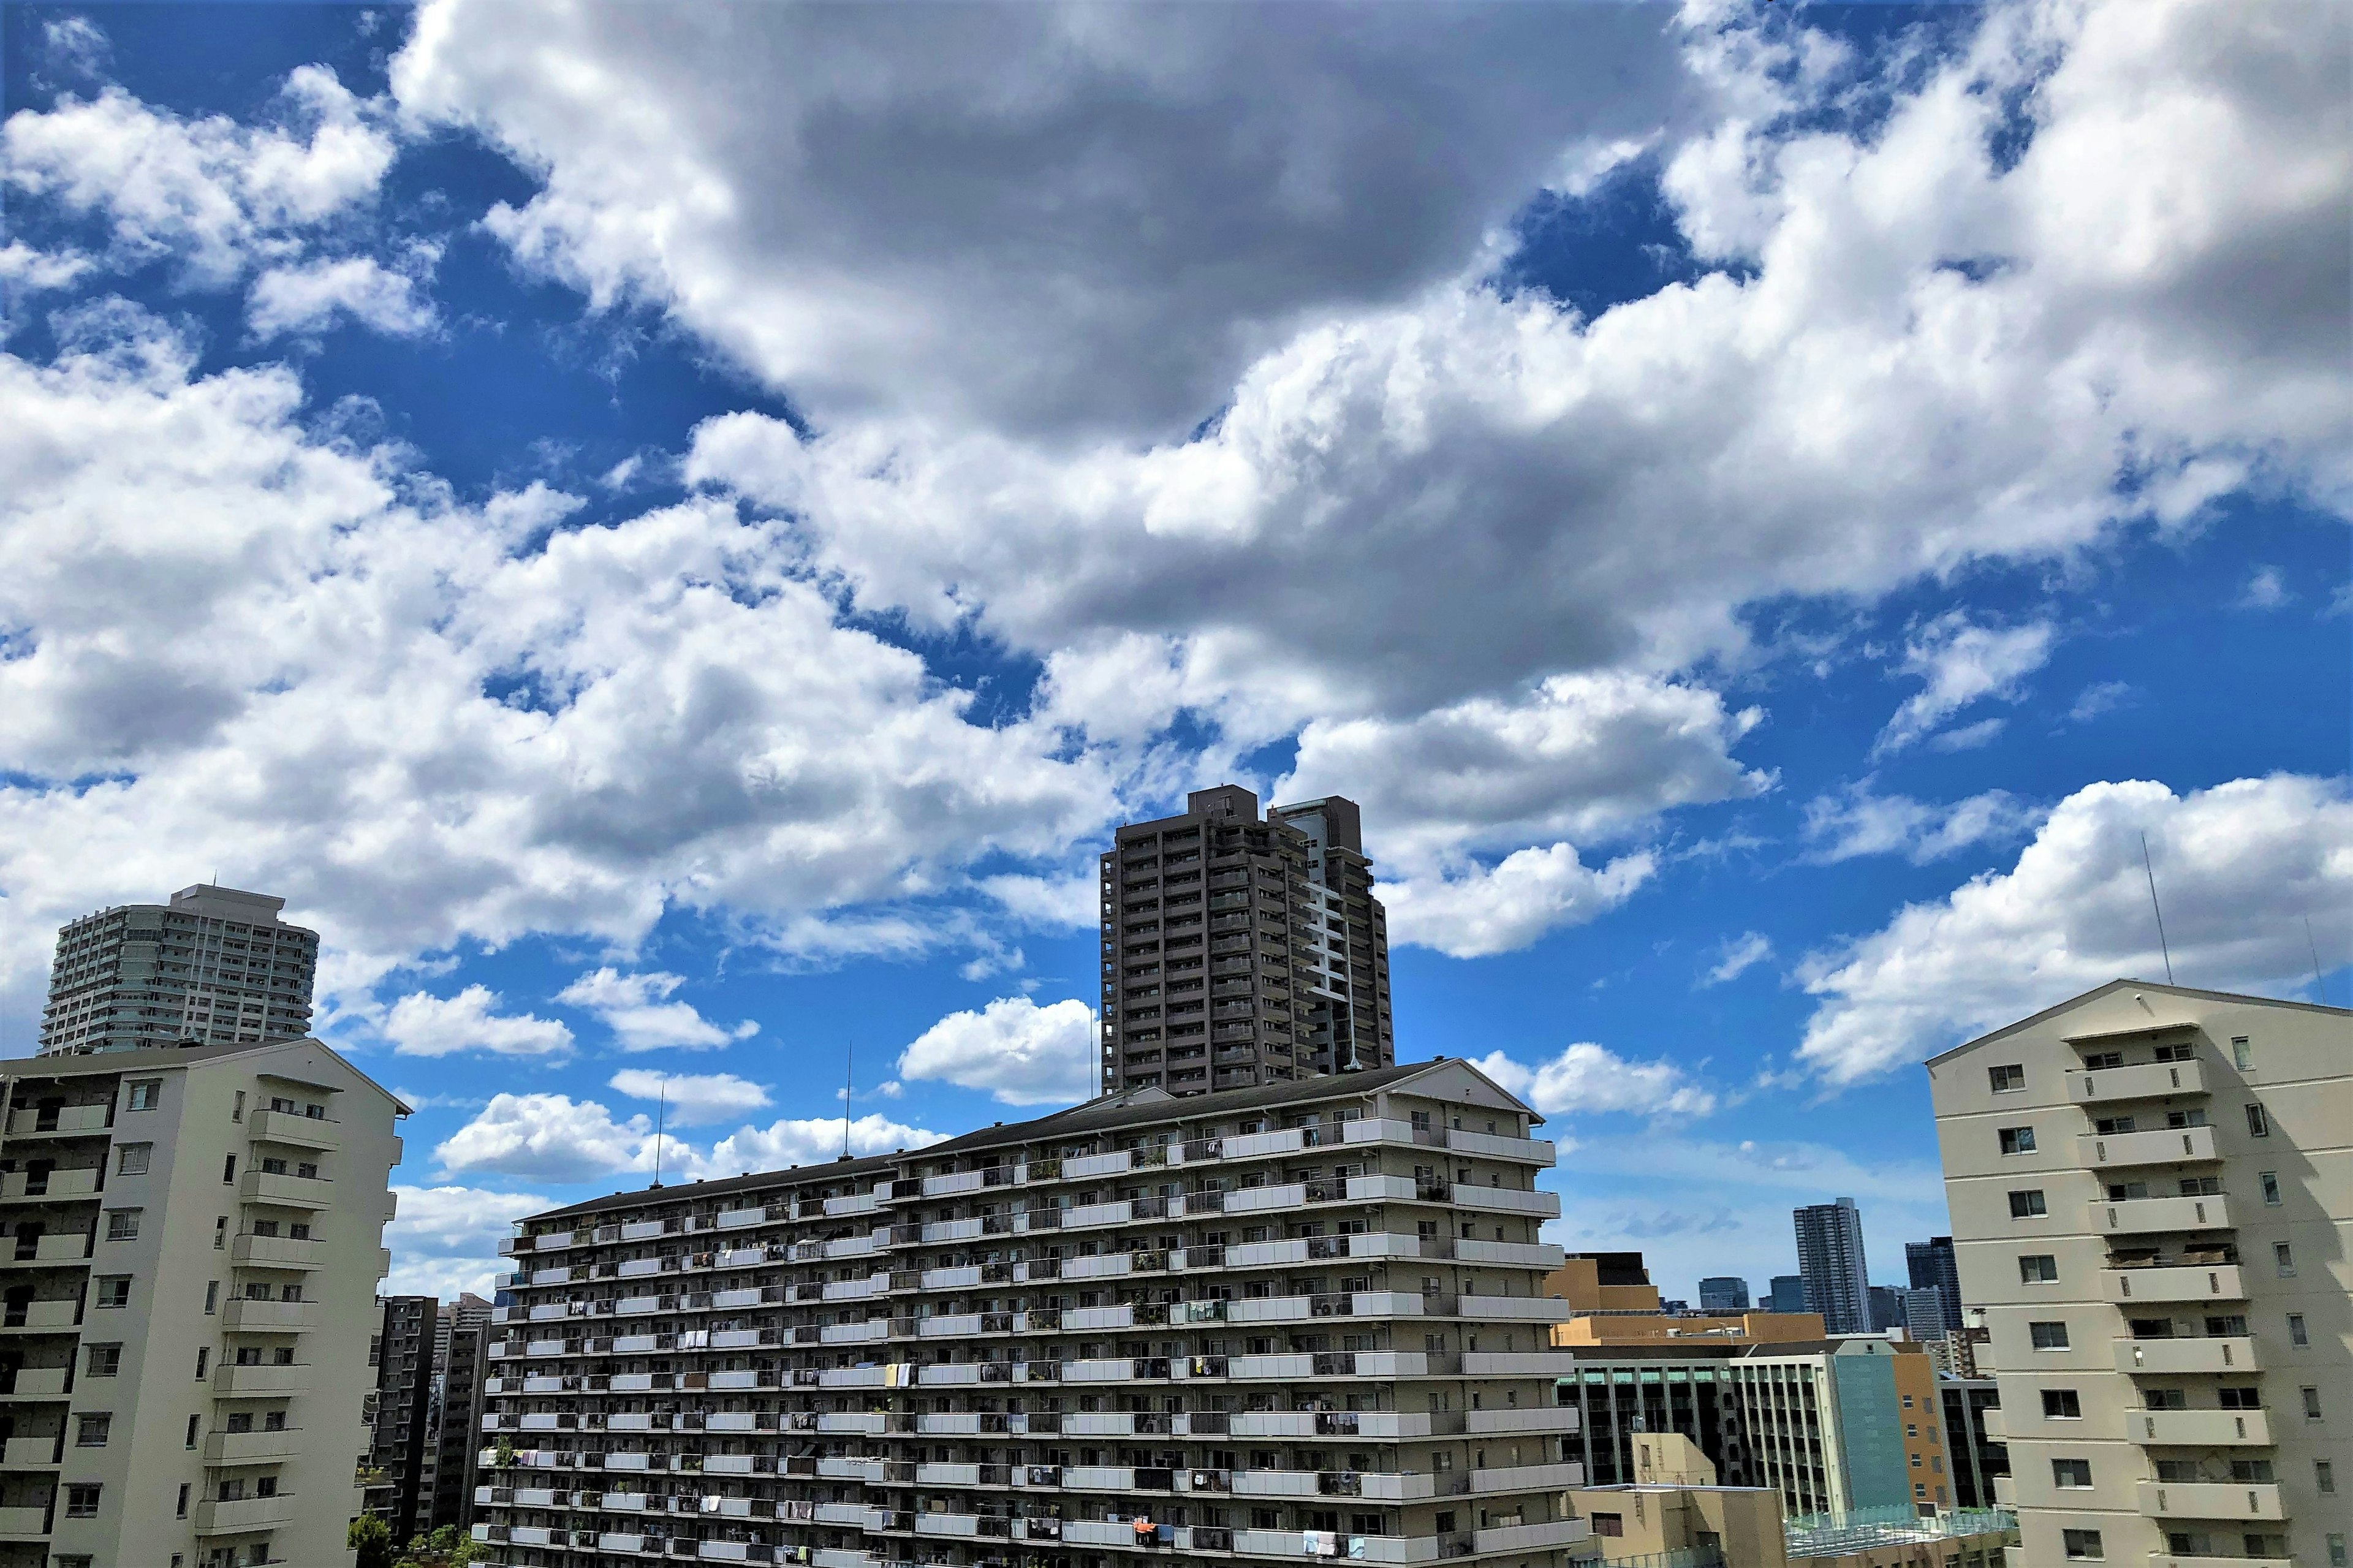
[(1293, 1322), (1930, 1265), (458, 1429), (214, 967), (1978, 1457), (405, 1438), (193, 1238), (1239, 952), (1723, 1293), (2152, 1190), (1831, 1262)]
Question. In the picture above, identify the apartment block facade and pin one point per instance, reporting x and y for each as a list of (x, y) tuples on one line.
[(1294, 1322), (458, 1422), (194, 1238), (1238, 952), (403, 1451), (214, 967), (1831, 1262), (2152, 1197)]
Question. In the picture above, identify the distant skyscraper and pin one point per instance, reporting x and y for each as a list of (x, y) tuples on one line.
[(1238, 952), (1886, 1309), (1787, 1295), (1924, 1314), (1830, 1261), (1723, 1293), (214, 967), (1931, 1263)]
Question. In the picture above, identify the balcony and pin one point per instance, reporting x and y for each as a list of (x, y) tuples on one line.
[(294, 1191), (32, 1453), (47, 1186), (1507, 1200), (45, 1316), (2162, 1356), (301, 1132), (2165, 1146), (278, 1317), (2167, 1560), (2139, 1216), (63, 1246), (23, 1523), (278, 1252), (2199, 1429), (1531, 1537), (2239, 1500), (216, 1518), (247, 1382), (68, 1121), (2153, 1081), (35, 1382), (252, 1447), (2219, 1283)]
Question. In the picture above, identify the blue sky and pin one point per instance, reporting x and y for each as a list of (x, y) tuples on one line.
[(672, 545)]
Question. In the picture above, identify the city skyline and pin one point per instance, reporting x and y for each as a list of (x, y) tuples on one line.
[(1772, 519)]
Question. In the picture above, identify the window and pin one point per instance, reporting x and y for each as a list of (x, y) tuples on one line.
[(237, 1111), (2082, 1545), (2018, 1140), (2243, 1055), (143, 1094), (2270, 1179), (2027, 1204), (190, 1441), (305, 1169), (2071, 1475), (2259, 1122), (2184, 1052), (131, 1159), (2037, 1268), (2236, 1398), (81, 1501), (2324, 1476), (2062, 1405), (2283, 1259), (2295, 1331), (220, 1233), (102, 1361), (122, 1224), (228, 1169), (203, 1362), (2048, 1336), (2007, 1079), (2336, 1549), (180, 1509), (2311, 1403), (114, 1291), (2096, 1061), (91, 1430)]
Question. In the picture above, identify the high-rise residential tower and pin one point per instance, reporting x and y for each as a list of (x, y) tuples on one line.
[(1238, 951), (459, 1424), (1930, 1264), (1723, 1293), (1831, 1262), (405, 1449), (214, 967), (194, 1237), (2152, 1198)]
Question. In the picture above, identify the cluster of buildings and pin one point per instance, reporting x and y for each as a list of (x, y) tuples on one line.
[(1271, 1296)]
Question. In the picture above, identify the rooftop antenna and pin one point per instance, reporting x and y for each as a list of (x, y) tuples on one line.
[(2317, 983), (849, 1061), (661, 1107), (2150, 872)]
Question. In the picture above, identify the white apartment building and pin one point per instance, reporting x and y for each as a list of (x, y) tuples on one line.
[(214, 967), (1288, 1322), (190, 1241), (2152, 1194)]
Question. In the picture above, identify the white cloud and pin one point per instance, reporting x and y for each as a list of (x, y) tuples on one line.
[(694, 1099), (1738, 955), (2102, 698), (2239, 866), (1858, 822), (1066, 903), (423, 1024), (306, 298), (1019, 1052), (1471, 911), (1961, 663), (32, 271), (1586, 1078), (552, 1138), (808, 1140), (637, 1009), (2266, 590), (444, 1239)]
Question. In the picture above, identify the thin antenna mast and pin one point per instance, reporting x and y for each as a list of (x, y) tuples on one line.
[(661, 1109), (849, 1065), (2317, 983), (2150, 872)]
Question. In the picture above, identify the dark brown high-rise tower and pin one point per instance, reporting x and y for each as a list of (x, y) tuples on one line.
[(1239, 952)]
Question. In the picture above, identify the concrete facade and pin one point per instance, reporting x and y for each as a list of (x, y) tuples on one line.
[(1238, 952), (404, 1439), (197, 1236), (1298, 1322), (214, 967), (2151, 1190)]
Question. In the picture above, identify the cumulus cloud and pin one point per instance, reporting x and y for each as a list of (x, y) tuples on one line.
[(1019, 1052), (2266, 590), (308, 297), (1471, 911), (423, 1024), (1858, 821), (638, 1009), (554, 1138), (694, 1099), (2240, 868), (1961, 663), (1737, 956), (444, 1239), (1586, 1078)]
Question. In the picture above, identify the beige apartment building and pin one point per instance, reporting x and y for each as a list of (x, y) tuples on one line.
[(1289, 1324), (1238, 952), (214, 967), (190, 1242), (2152, 1190)]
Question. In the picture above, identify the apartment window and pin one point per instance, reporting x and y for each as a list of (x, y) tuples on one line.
[(203, 1362), (114, 1291), (228, 1169), (2243, 1055), (143, 1094), (2259, 1121), (2336, 1551), (81, 1501), (2324, 1476), (2062, 1405), (2048, 1336), (2018, 1140), (122, 1224), (2295, 1330), (237, 1111), (2083, 1545), (2008, 1080), (220, 1233), (2071, 1475), (91, 1430), (193, 1422), (2027, 1204), (179, 1509), (2311, 1403), (131, 1159), (2037, 1268), (2270, 1179), (102, 1361), (2283, 1259)]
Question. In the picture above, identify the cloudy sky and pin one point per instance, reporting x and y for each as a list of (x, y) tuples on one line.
[(671, 536)]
